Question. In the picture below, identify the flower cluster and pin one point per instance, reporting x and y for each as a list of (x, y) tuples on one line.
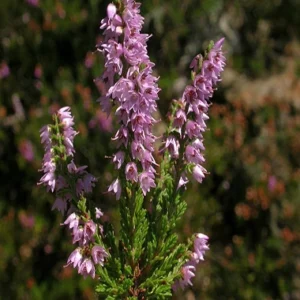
[(129, 87), (88, 253), (84, 182), (189, 268), (135, 93), (49, 165), (58, 143), (70, 182), (190, 117), (68, 133)]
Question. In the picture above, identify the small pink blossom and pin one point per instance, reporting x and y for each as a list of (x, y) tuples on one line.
[(193, 155), (75, 258), (182, 181), (199, 173), (78, 236), (99, 213), (118, 159), (116, 188), (72, 221), (187, 272), (99, 255), (172, 145), (87, 268), (146, 181), (60, 204), (200, 245), (89, 230), (131, 172)]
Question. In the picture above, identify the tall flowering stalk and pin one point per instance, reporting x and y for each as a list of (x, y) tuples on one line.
[(146, 260), (133, 90), (70, 185), (184, 137)]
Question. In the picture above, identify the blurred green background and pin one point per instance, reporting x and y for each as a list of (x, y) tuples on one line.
[(249, 204)]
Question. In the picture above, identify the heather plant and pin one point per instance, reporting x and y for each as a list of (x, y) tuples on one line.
[(145, 259)]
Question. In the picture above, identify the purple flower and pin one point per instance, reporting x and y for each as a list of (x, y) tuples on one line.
[(193, 155), (172, 145), (199, 173), (72, 221), (189, 268), (75, 258), (131, 172), (122, 136), (195, 62), (187, 272), (116, 188), (89, 230), (85, 184), (49, 177), (87, 268), (192, 110), (88, 182), (134, 93), (78, 236), (118, 159), (190, 95), (60, 204), (49, 166), (193, 130), (200, 245), (198, 144), (182, 181), (113, 22), (146, 180), (65, 117), (180, 119), (99, 213), (99, 255)]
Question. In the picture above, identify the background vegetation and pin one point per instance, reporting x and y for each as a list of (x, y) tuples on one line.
[(249, 204)]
